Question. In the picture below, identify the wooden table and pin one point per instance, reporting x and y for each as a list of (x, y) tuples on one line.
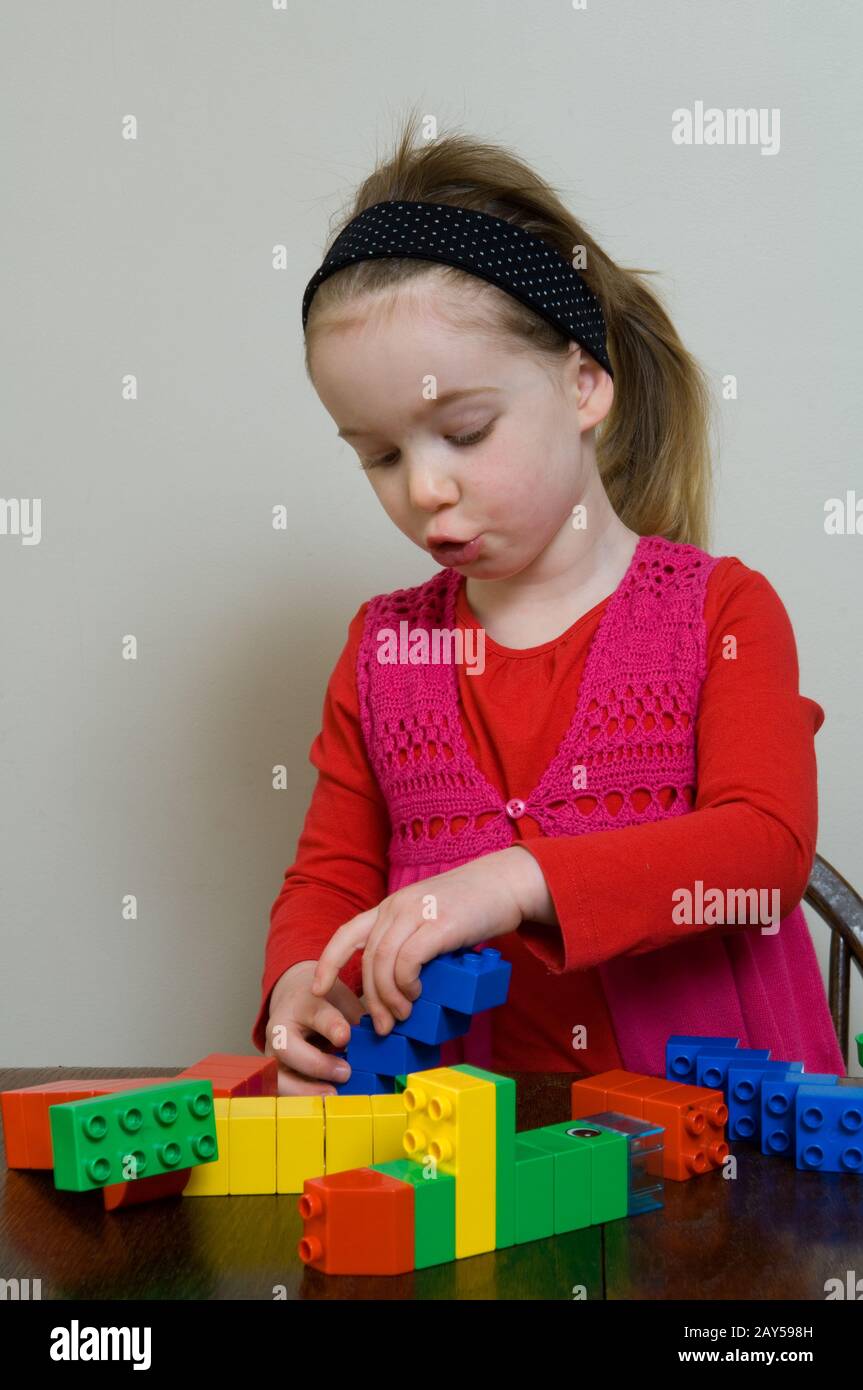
[(771, 1233)]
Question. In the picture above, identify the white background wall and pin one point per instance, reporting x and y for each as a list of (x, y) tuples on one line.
[(153, 257)]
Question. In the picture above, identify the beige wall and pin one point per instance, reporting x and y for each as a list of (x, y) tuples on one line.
[(153, 257)]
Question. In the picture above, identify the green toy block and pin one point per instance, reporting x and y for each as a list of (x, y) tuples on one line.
[(572, 1169), (162, 1127), (608, 1153), (504, 1113), (534, 1193), (859, 1042), (434, 1210), (401, 1084)]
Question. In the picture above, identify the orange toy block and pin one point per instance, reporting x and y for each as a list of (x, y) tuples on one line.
[(130, 1194), (236, 1075), (629, 1098), (589, 1093), (694, 1118), (26, 1123), (357, 1222)]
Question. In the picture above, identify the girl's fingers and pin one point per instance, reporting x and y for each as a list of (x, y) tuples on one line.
[(386, 1000), (297, 1054), (340, 948), (291, 1083), (346, 1002), (424, 944)]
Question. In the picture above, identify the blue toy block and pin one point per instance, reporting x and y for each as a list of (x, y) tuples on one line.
[(389, 1055), (682, 1049), (468, 981), (744, 1095), (432, 1023), (777, 1109), (711, 1068), (828, 1123), (365, 1083)]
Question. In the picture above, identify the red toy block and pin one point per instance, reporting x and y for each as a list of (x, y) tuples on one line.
[(589, 1092), (357, 1222), (236, 1075), (694, 1118), (629, 1098), (130, 1194), (26, 1124)]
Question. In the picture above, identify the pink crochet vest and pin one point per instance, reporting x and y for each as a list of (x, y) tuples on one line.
[(633, 727)]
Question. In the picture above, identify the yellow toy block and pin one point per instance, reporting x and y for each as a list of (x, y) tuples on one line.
[(252, 1137), (347, 1133), (451, 1118), (389, 1122), (212, 1179), (299, 1141)]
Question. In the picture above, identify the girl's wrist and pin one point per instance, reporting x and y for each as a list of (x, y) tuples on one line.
[(528, 885)]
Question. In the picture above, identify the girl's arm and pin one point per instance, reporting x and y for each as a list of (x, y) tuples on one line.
[(755, 816), (340, 864)]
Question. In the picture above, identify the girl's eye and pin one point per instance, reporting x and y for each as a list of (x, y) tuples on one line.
[(462, 441)]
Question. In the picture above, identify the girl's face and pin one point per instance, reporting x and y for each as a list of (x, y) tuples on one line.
[(462, 438)]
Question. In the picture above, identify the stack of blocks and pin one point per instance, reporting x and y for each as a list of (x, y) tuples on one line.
[(469, 1184), (455, 987), (426, 1166), (711, 1081)]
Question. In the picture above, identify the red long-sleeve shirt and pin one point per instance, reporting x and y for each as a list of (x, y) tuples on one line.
[(753, 823)]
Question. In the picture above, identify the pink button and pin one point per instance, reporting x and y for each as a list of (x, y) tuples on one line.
[(515, 808)]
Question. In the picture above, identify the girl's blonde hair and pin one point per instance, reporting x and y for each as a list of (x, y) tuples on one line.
[(652, 450)]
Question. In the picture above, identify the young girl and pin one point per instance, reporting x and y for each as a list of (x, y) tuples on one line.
[(621, 796)]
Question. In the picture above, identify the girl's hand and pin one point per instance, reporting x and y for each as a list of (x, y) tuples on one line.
[(299, 1022), (486, 898)]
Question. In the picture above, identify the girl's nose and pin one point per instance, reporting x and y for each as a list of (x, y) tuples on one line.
[(429, 487)]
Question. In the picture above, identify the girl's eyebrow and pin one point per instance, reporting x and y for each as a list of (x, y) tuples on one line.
[(438, 400)]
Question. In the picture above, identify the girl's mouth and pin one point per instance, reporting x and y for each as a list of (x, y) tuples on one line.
[(456, 553)]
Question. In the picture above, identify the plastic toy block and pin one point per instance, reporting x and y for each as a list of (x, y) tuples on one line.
[(433, 1024), (299, 1141), (744, 1096), (534, 1193), (711, 1068), (161, 1128), (348, 1133), (572, 1174), (592, 1091), (607, 1154), (235, 1075), (357, 1222), (14, 1130), (694, 1119), (777, 1109), (252, 1141), (388, 1055), (629, 1098), (859, 1042), (213, 1179), (645, 1186), (829, 1128), (400, 1082), (504, 1112), (131, 1194), (26, 1126), (434, 1210), (389, 1122), (465, 980), (682, 1049), (451, 1118), (363, 1083), (26, 1129)]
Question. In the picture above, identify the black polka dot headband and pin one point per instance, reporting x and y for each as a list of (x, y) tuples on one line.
[(524, 265)]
